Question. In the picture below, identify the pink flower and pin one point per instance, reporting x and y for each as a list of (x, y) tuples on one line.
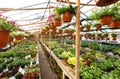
[(12, 22), (1, 14)]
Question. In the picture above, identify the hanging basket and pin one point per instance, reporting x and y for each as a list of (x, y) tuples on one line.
[(98, 26), (106, 20), (88, 28), (10, 39), (104, 2), (60, 31), (115, 24), (52, 25), (81, 29), (19, 37), (66, 16), (4, 35), (114, 38), (57, 22)]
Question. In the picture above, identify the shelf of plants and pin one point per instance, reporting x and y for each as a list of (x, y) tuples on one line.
[(20, 62), (93, 59)]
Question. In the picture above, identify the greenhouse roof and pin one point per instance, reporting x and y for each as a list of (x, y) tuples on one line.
[(31, 14)]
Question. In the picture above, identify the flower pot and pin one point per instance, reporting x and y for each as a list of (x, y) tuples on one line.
[(114, 38), (106, 19), (88, 28), (98, 26), (81, 29), (66, 16), (19, 37), (4, 35), (107, 38), (104, 2), (33, 55), (60, 31), (115, 24), (57, 22), (52, 25), (46, 29), (10, 39)]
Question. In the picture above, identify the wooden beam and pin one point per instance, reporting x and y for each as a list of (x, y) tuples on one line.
[(10, 9), (75, 3)]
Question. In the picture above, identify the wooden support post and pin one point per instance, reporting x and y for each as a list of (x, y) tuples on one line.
[(63, 76), (77, 39)]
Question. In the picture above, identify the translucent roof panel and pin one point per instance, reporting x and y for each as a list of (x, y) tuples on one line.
[(26, 17)]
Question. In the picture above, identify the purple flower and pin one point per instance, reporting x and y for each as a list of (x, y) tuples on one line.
[(12, 22)]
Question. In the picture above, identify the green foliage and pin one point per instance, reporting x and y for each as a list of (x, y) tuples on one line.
[(65, 55), (18, 75), (4, 24), (58, 11), (72, 61), (58, 51), (19, 33), (113, 34), (90, 72)]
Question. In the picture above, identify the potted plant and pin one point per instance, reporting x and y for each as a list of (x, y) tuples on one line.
[(99, 35), (88, 26), (105, 35), (5, 28), (66, 13), (81, 28), (34, 53), (52, 25), (18, 35), (71, 31), (60, 31), (97, 25), (10, 39), (104, 14), (46, 28), (57, 20), (114, 36), (18, 75)]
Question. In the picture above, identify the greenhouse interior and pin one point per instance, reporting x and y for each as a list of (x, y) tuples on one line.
[(59, 39)]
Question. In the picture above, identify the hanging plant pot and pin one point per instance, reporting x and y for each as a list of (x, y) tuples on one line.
[(60, 31), (52, 25), (57, 22), (115, 24), (81, 29), (104, 2), (98, 26), (46, 29), (19, 37), (66, 16), (10, 39), (114, 38), (106, 20), (107, 38), (54, 31), (4, 35), (88, 28)]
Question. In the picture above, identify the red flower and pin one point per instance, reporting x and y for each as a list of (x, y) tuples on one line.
[(30, 50)]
